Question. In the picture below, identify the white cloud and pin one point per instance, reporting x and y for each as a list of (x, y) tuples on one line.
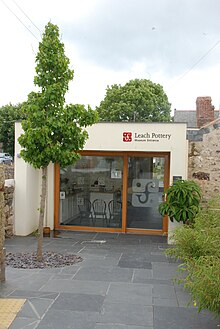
[(111, 41), (183, 92)]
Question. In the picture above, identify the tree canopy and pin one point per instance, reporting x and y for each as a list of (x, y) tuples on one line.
[(139, 100), (53, 131), (9, 114)]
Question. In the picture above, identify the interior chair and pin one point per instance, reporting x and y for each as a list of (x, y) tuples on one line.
[(85, 211), (115, 212), (99, 210)]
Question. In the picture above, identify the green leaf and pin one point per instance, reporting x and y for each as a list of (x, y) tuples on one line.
[(182, 201)]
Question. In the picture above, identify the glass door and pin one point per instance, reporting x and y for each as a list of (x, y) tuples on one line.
[(112, 191), (145, 192)]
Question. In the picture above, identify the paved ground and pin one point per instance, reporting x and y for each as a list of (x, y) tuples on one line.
[(122, 283)]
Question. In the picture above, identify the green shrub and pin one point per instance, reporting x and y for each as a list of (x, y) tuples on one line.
[(209, 217), (198, 246), (182, 201), (203, 282), (193, 243)]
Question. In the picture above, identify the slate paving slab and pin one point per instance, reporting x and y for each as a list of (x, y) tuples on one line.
[(104, 273), (75, 236), (146, 255), (26, 323), (146, 276), (129, 293), (127, 314), (35, 308), (183, 318), (134, 260), (76, 286), (6, 289), (104, 236), (119, 326), (164, 291), (171, 302), (33, 282), (94, 253), (66, 319), (34, 294), (141, 275), (164, 271), (15, 274), (133, 263), (124, 283), (103, 261), (69, 269), (78, 302)]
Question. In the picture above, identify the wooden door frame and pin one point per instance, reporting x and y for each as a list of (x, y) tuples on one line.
[(123, 229)]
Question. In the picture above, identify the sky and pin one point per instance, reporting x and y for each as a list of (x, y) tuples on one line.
[(175, 43)]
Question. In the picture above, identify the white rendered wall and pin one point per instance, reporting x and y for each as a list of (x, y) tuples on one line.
[(26, 192), (50, 197)]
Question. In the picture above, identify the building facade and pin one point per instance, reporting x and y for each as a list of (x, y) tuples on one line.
[(116, 185)]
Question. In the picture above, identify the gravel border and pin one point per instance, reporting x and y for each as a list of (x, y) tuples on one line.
[(50, 259)]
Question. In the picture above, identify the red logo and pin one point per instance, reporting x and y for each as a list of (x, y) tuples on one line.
[(127, 137)]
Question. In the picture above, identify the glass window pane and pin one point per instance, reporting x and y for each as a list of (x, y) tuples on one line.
[(145, 190), (90, 192)]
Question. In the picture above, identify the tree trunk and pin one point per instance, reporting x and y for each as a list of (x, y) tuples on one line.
[(2, 225), (42, 213)]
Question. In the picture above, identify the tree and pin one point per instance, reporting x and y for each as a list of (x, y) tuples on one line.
[(53, 131), (136, 101), (8, 115)]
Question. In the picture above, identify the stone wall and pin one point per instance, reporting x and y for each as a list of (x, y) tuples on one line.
[(2, 228), (9, 209), (8, 172), (204, 158)]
